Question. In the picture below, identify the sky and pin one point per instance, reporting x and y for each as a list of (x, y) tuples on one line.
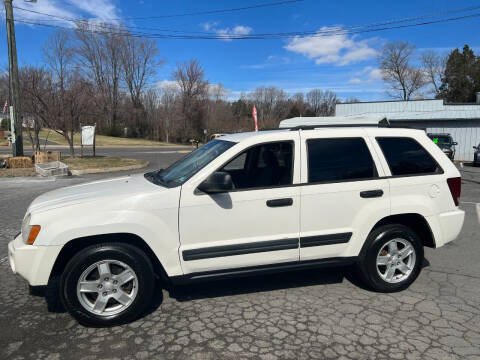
[(344, 63)]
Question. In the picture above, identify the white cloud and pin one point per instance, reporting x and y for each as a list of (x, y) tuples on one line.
[(226, 34), (209, 25), (99, 10), (339, 49), (165, 84), (367, 75)]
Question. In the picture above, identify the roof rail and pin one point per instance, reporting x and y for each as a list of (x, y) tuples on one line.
[(382, 123)]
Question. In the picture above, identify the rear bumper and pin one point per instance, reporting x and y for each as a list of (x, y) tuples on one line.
[(33, 263), (447, 226)]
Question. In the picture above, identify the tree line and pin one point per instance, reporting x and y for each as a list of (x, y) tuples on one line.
[(454, 77), (109, 79)]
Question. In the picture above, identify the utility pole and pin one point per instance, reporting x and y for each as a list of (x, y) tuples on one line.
[(17, 138)]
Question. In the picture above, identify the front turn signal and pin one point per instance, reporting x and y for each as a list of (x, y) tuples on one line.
[(34, 230)]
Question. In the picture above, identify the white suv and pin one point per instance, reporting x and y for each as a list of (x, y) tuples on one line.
[(241, 205)]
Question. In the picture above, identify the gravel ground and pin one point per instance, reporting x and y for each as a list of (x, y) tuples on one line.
[(300, 315)]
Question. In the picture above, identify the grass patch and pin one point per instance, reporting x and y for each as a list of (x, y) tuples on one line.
[(99, 162), (101, 140)]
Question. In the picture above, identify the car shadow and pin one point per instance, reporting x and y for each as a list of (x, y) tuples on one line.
[(258, 283)]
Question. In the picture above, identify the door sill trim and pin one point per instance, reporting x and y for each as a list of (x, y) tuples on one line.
[(262, 269)]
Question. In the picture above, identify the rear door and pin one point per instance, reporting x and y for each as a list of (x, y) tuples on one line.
[(343, 194)]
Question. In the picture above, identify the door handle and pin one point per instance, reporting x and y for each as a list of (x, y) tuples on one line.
[(371, 193), (280, 202)]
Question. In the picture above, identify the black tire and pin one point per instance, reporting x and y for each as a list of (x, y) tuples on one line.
[(376, 241), (127, 254)]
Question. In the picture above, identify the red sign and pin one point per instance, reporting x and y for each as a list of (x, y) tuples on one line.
[(254, 114)]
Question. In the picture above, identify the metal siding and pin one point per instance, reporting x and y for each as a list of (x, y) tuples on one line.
[(465, 133)]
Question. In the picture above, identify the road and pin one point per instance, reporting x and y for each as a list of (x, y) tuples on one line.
[(300, 315)]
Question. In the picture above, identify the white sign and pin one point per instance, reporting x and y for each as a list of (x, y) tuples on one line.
[(88, 135)]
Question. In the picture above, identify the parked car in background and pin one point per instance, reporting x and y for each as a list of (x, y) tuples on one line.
[(244, 204), (444, 142), (476, 155)]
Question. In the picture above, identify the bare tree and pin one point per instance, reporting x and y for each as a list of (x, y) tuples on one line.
[(193, 87), (433, 67), (33, 95), (272, 105), (59, 55), (139, 65), (394, 63), (100, 54), (322, 103)]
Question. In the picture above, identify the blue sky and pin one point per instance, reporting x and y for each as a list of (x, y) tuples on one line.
[(345, 64)]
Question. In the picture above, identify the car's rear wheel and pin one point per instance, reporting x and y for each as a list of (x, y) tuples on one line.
[(391, 259), (107, 284)]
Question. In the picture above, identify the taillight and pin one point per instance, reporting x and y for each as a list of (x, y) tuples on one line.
[(455, 186)]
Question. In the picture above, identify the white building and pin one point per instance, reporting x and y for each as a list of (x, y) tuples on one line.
[(462, 121)]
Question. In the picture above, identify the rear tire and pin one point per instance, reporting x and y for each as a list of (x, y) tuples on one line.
[(107, 284), (391, 259)]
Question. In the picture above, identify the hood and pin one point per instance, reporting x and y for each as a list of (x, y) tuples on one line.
[(93, 191)]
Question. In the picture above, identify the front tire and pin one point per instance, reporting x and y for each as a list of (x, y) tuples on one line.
[(391, 259), (107, 284)]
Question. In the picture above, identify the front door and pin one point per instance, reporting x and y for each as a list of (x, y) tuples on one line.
[(257, 223)]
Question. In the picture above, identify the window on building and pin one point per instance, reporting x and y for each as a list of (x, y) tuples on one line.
[(263, 165), (405, 156), (339, 159)]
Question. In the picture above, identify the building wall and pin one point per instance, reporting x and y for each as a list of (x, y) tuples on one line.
[(465, 132)]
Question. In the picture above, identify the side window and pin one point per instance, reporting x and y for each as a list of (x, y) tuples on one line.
[(263, 165), (405, 156), (339, 159)]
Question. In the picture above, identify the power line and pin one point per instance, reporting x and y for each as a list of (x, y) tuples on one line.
[(228, 36), (205, 12), (320, 33)]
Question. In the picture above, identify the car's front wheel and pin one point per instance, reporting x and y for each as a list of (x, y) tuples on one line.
[(107, 284), (392, 258)]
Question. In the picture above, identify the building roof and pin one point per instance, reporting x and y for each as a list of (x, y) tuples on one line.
[(411, 110)]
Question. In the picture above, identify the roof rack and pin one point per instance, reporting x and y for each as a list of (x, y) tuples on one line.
[(308, 123), (382, 123)]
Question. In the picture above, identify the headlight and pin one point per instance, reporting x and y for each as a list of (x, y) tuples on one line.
[(29, 232)]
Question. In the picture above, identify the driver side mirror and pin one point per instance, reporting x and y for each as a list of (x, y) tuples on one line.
[(216, 183), (455, 143), (475, 147)]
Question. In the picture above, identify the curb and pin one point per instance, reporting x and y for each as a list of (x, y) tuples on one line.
[(113, 169)]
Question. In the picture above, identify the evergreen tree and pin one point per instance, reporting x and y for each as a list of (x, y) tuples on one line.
[(461, 80)]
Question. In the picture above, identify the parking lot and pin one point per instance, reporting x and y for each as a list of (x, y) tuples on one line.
[(310, 314)]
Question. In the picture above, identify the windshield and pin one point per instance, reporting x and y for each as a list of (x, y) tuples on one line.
[(441, 139), (188, 166)]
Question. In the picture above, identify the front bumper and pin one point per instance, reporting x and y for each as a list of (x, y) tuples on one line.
[(34, 263)]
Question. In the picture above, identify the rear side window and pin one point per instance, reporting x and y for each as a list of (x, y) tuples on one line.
[(405, 156), (331, 160)]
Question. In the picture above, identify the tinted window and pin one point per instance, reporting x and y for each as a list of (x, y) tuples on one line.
[(405, 156), (263, 165), (339, 160)]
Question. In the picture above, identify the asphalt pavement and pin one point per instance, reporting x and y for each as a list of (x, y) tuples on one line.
[(314, 314)]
